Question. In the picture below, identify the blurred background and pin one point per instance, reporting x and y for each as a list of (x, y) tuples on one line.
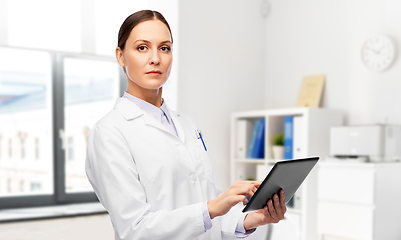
[(58, 76)]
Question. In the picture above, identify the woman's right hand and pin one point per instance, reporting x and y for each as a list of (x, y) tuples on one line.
[(236, 193)]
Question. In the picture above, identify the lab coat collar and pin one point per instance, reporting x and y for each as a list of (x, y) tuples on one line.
[(130, 111)]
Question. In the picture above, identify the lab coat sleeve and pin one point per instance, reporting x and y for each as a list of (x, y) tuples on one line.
[(111, 170), (229, 221)]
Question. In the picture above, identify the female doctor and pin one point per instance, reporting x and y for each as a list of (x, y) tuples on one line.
[(148, 165)]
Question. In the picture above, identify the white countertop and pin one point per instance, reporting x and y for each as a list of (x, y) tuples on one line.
[(67, 210)]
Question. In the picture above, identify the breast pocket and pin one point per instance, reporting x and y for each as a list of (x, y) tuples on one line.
[(202, 157)]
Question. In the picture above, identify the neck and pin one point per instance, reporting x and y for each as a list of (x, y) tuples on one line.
[(152, 96)]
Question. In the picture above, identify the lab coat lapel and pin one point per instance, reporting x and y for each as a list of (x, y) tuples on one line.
[(177, 123)]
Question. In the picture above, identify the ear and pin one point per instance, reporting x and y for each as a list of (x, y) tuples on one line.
[(120, 57)]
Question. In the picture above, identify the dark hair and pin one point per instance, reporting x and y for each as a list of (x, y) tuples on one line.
[(136, 18)]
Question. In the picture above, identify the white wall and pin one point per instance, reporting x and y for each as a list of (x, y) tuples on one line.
[(222, 55), (325, 37)]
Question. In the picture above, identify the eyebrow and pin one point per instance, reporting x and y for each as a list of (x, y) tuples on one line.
[(146, 41)]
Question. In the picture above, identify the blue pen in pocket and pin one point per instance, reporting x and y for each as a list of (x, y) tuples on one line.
[(199, 136)]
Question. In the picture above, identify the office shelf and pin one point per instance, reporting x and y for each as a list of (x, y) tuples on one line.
[(301, 217)]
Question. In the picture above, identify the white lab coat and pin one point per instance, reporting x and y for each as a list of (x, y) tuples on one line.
[(151, 182)]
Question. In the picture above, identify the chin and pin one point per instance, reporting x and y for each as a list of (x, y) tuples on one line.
[(155, 86)]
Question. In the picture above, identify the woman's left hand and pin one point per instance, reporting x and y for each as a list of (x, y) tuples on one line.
[(272, 213)]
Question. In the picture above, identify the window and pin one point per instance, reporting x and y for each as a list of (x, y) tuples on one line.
[(53, 25), (10, 148), (9, 183), (54, 94), (37, 149), (22, 148), (26, 110), (36, 187), (70, 152), (21, 185)]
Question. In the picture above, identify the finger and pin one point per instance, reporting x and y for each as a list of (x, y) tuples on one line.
[(265, 211), (282, 201), (236, 199), (252, 191), (247, 190), (256, 183), (271, 210), (277, 207)]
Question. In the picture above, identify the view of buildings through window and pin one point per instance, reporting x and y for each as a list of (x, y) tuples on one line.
[(90, 90), (25, 115)]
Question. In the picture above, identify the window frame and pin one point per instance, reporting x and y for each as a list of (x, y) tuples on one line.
[(59, 195)]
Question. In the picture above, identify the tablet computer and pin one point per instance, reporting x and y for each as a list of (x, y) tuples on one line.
[(287, 175)]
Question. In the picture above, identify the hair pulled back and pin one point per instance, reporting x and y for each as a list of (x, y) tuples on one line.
[(135, 19)]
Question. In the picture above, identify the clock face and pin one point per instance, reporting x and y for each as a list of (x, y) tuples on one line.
[(378, 53)]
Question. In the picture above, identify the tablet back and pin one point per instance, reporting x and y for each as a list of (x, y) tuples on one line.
[(287, 175)]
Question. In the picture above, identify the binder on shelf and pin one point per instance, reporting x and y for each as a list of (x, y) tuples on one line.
[(299, 142), (288, 137), (253, 140), (259, 149), (244, 134)]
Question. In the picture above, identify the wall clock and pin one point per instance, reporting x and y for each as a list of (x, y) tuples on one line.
[(378, 53)]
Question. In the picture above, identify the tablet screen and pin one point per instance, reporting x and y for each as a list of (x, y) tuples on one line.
[(287, 175)]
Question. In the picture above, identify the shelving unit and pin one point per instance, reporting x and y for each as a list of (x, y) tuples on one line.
[(313, 136)]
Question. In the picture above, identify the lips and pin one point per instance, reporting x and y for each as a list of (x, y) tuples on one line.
[(154, 72)]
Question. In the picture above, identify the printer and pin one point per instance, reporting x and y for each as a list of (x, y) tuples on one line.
[(374, 143)]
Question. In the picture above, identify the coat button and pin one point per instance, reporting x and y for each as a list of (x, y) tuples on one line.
[(193, 178)]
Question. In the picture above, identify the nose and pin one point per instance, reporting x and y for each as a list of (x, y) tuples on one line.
[(154, 58)]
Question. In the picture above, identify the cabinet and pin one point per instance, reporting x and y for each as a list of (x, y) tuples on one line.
[(359, 201), (313, 140)]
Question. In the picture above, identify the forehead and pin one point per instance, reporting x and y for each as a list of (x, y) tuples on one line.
[(152, 30)]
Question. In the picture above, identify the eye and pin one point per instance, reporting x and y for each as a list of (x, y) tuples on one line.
[(141, 48), (165, 49)]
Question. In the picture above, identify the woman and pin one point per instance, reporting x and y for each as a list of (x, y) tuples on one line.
[(148, 165)]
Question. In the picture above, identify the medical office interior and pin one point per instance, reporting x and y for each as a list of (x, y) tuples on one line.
[(233, 61)]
